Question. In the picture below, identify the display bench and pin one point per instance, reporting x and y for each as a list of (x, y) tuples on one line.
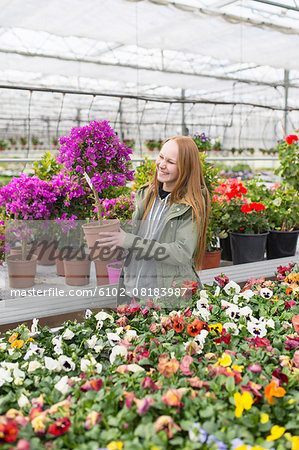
[(53, 302)]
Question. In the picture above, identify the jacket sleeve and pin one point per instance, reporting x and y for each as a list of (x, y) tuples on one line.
[(179, 252)]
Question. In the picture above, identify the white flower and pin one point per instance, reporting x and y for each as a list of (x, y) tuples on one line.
[(257, 329), (174, 314), (270, 323), (9, 365), (200, 340), (130, 335), (88, 314), (203, 294), (217, 291), (5, 376), (98, 348), (68, 334), (113, 338), (34, 326), (119, 330), (62, 385), (118, 350), (92, 341), (52, 364), (233, 312), (232, 285), (247, 294), (202, 303), (34, 365), (231, 326), (266, 293), (3, 346), (155, 315), (204, 313), (102, 315), (23, 401), (135, 368), (246, 312), (66, 363), (57, 342), (99, 368), (99, 325), (225, 303), (34, 350), (17, 374), (87, 363)]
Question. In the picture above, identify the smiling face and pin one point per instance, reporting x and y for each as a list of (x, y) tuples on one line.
[(167, 166)]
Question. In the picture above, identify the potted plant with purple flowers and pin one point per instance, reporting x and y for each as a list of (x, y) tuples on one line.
[(95, 153)]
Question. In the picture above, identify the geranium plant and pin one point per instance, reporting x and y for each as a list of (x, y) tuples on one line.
[(246, 217), (95, 152), (288, 151), (283, 209)]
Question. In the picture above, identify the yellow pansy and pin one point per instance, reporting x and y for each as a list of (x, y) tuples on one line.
[(276, 433), (17, 343), (13, 337), (264, 418), (242, 402), (257, 447), (115, 445), (224, 361), (242, 447), (291, 401), (238, 368), (30, 340), (294, 441), (216, 327)]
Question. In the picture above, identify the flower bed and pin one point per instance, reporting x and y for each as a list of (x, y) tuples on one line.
[(221, 373)]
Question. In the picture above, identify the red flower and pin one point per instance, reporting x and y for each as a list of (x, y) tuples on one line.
[(178, 323), (60, 426), (223, 337), (191, 288), (9, 431), (245, 208), (291, 138)]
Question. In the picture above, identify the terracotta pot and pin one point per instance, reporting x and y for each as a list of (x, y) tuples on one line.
[(77, 271), (45, 251), (91, 231), (101, 272), (59, 264), (21, 273), (211, 260)]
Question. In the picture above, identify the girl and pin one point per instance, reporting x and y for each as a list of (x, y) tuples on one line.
[(170, 219)]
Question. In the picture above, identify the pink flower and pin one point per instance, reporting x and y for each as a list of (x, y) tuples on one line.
[(255, 368), (148, 383), (143, 405), (23, 445), (296, 359), (185, 364)]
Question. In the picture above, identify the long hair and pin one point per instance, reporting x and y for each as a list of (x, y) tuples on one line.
[(190, 189)]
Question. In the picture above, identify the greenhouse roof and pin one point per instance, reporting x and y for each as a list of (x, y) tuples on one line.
[(218, 51)]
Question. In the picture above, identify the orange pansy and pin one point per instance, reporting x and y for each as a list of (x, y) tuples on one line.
[(272, 390)]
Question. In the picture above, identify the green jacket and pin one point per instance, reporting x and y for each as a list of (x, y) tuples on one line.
[(179, 237)]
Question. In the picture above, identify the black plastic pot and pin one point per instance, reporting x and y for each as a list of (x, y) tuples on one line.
[(226, 254), (281, 243), (247, 248)]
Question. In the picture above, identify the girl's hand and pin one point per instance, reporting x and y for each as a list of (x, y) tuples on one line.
[(112, 239)]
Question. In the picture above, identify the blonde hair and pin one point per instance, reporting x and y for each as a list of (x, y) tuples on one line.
[(190, 189)]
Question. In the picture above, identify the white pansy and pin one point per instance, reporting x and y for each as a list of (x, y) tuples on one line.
[(52, 364), (217, 291), (102, 315), (247, 294), (9, 365), (18, 373), (119, 330), (34, 326), (118, 350), (66, 363), (34, 350), (23, 401), (68, 334), (113, 338), (257, 328), (130, 334), (57, 342), (88, 314), (98, 348), (231, 285), (200, 340), (236, 298), (99, 368), (99, 325), (10, 351), (266, 293), (246, 312), (233, 312), (224, 303), (203, 294), (202, 303), (270, 323), (62, 385), (204, 313), (231, 327), (135, 368), (155, 315), (34, 365), (3, 346), (5, 376), (92, 341), (87, 363)]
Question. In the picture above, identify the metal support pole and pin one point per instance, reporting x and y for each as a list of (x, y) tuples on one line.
[(184, 128), (286, 95), (120, 110)]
